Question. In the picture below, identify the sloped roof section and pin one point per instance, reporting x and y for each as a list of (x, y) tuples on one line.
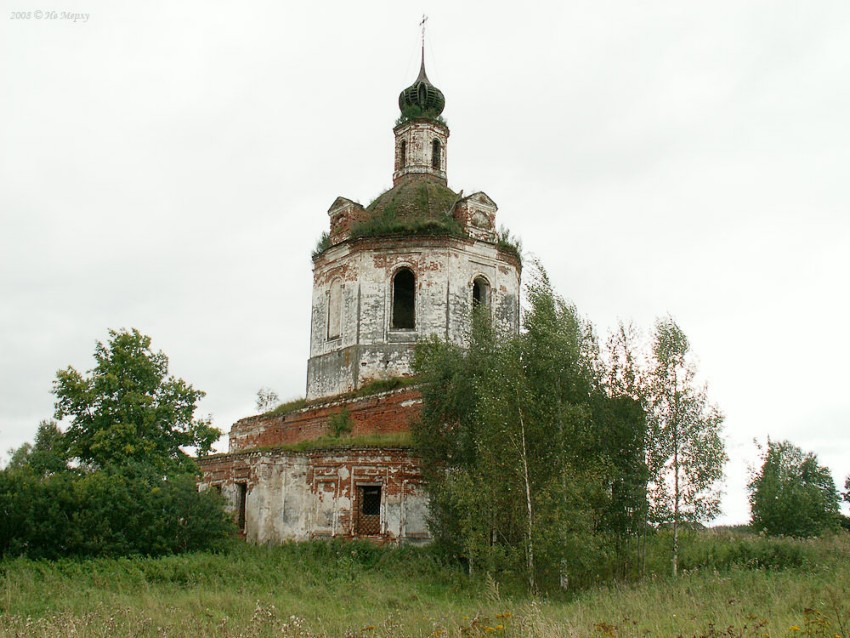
[(418, 198)]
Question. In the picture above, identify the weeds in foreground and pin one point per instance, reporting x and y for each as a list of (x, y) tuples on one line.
[(356, 590)]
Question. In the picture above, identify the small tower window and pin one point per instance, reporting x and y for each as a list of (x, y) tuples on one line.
[(480, 293), (335, 309), (435, 154), (404, 300), (402, 154)]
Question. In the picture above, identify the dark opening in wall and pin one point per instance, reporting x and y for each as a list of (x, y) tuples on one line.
[(402, 154), (435, 154), (335, 309), (368, 521), (480, 293), (404, 300), (242, 496)]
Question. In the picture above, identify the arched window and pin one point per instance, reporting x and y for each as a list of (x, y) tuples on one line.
[(402, 154), (435, 154), (480, 293), (335, 309), (404, 300)]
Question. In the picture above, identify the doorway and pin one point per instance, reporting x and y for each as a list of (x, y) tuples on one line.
[(367, 520)]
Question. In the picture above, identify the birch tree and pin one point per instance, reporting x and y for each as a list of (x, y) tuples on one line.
[(685, 450), (521, 445)]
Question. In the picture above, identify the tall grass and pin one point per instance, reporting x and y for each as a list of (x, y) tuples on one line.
[(735, 586)]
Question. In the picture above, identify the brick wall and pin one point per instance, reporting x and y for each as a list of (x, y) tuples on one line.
[(300, 495), (384, 413)]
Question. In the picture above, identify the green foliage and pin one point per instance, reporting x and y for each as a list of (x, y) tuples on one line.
[(397, 439), (724, 551), (115, 511), (322, 244), (340, 423), (730, 587), (47, 455), (387, 223), (532, 466), (792, 494), (510, 244), (288, 406), (685, 450), (127, 410)]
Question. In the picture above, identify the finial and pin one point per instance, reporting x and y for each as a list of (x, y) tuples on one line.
[(422, 25), (422, 97)]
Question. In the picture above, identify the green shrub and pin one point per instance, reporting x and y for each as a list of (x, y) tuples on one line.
[(111, 512), (340, 423)]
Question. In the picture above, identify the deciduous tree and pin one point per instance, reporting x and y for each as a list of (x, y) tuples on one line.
[(47, 455), (792, 494), (685, 450), (524, 451), (127, 409)]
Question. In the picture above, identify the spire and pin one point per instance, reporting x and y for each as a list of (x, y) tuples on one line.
[(421, 99)]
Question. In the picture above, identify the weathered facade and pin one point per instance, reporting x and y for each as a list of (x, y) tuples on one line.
[(411, 265)]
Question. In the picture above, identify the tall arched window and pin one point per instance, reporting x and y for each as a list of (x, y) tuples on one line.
[(480, 293), (404, 300), (435, 154), (402, 154), (335, 309)]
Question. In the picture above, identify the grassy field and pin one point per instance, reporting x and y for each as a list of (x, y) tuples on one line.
[(733, 585)]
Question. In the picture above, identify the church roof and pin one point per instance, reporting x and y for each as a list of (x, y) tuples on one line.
[(415, 198)]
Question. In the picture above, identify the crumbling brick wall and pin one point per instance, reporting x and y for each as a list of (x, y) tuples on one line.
[(300, 495)]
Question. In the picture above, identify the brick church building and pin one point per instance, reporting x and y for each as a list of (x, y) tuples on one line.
[(410, 265)]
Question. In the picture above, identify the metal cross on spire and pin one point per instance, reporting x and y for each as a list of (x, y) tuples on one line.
[(422, 25)]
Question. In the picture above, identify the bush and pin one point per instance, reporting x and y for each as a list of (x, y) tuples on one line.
[(111, 512)]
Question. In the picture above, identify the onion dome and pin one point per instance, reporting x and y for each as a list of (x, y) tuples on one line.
[(421, 99)]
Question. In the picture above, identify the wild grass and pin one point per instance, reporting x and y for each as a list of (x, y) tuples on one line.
[(393, 440), (369, 388), (361, 590)]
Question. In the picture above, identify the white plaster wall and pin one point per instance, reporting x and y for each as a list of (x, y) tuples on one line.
[(281, 503), (368, 347)]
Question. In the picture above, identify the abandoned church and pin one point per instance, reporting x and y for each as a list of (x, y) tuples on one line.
[(411, 265)]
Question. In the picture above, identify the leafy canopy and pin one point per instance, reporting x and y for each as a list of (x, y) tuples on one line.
[(47, 455), (792, 494), (127, 409), (531, 466)]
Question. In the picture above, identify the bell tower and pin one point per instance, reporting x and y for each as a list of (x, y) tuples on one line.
[(420, 140), (411, 265)]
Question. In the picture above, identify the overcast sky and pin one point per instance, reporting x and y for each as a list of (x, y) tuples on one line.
[(168, 166)]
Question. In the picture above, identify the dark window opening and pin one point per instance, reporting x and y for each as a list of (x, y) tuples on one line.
[(335, 309), (402, 154), (404, 300), (480, 293), (435, 154), (368, 514), (217, 488), (242, 495)]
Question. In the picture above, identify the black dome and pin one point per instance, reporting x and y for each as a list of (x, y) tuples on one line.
[(421, 97)]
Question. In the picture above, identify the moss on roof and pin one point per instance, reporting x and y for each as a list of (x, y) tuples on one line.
[(415, 197), (417, 205)]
